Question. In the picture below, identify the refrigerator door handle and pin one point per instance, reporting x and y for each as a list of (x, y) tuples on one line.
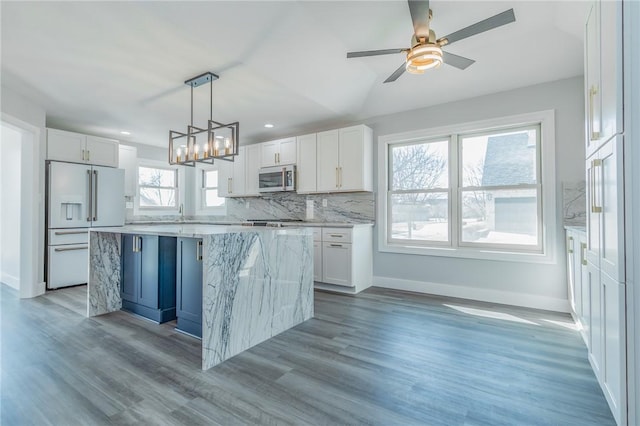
[(90, 204), (95, 196)]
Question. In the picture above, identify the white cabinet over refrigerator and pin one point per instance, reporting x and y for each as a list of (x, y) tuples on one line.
[(79, 196)]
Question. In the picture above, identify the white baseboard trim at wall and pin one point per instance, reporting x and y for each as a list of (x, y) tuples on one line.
[(10, 280), (474, 293)]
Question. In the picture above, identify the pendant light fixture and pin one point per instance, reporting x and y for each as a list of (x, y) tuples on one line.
[(204, 145)]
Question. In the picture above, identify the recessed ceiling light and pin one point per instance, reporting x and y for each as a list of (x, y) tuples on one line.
[(268, 125), (124, 132)]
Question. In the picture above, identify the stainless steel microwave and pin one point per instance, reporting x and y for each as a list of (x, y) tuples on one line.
[(277, 179)]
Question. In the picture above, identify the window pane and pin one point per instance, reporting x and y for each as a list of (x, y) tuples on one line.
[(155, 197), (507, 158), (420, 166), (500, 217), (156, 177), (210, 178), (211, 198), (420, 217)]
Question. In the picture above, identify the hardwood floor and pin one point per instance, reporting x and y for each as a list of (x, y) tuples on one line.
[(383, 357)]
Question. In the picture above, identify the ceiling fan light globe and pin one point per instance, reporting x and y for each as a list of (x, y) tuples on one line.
[(423, 57)]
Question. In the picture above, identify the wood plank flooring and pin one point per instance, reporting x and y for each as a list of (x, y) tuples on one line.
[(383, 357)]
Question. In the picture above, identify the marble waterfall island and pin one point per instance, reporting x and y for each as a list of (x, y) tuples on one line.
[(256, 283)]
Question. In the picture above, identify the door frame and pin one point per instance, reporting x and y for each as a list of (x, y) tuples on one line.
[(31, 208)]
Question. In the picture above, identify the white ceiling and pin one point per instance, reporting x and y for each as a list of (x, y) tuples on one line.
[(104, 67)]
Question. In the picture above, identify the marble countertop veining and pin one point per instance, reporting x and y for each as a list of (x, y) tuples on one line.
[(192, 230)]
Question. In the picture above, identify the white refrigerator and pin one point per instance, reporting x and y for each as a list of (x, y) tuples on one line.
[(79, 196)]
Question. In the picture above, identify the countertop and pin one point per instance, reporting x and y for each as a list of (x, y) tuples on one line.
[(284, 224), (193, 230)]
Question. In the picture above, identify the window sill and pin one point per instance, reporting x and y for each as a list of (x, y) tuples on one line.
[(468, 253)]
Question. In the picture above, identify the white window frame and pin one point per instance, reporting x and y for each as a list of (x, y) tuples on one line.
[(547, 202), (159, 211), (199, 190)]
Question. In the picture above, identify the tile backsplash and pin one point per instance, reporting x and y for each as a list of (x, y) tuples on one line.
[(358, 207), (574, 203)]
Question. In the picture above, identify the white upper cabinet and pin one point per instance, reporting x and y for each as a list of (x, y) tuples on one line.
[(252, 166), (231, 175), (306, 164), (327, 160), (344, 159), (128, 158), (278, 152), (79, 148), (603, 73)]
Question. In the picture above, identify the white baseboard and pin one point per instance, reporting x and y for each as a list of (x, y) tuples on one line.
[(474, 293), (10, 280)]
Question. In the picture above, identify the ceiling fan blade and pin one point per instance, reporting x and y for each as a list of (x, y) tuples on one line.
[(419, 10), (459, 62), (373, 52), (397, 73), (498, 20)]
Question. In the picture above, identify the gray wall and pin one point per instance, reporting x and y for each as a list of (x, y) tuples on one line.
[(546, 280)]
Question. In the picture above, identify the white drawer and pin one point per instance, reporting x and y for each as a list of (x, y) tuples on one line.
[(68, 265), (317, 234), (68, 236), (338, 235)]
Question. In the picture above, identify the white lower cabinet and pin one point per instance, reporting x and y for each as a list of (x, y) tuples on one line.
[(336, 264), (613, 343), (595, 318), (343, 258), (576, 281)]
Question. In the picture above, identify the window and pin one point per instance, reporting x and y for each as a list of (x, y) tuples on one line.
[(207, 199), (158, 188), (474, 190)]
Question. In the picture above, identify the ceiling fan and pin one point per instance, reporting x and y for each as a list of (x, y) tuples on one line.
[(426, 50)]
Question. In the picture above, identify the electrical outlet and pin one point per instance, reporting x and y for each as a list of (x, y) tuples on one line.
[(247, 204), (128, 204), (324, 202)]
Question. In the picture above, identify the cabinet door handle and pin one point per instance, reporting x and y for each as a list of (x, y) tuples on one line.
[(95, 196), (199, 251), (83, 156), (583, 250), (335, 245), (595, 208), (88, 155), (570, 245), (337, 178), (336, 235), (134, 247), (593, 90), (340, 177), (70, 232), (70, 248), (90, 203), (275, 158)]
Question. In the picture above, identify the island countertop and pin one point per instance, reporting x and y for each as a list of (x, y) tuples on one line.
[(256, 281), (197, 230)]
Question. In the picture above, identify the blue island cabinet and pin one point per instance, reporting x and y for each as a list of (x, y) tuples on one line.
[(189, 286), (149, 276)]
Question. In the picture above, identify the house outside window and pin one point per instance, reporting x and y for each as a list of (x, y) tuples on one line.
[(474, 190)]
